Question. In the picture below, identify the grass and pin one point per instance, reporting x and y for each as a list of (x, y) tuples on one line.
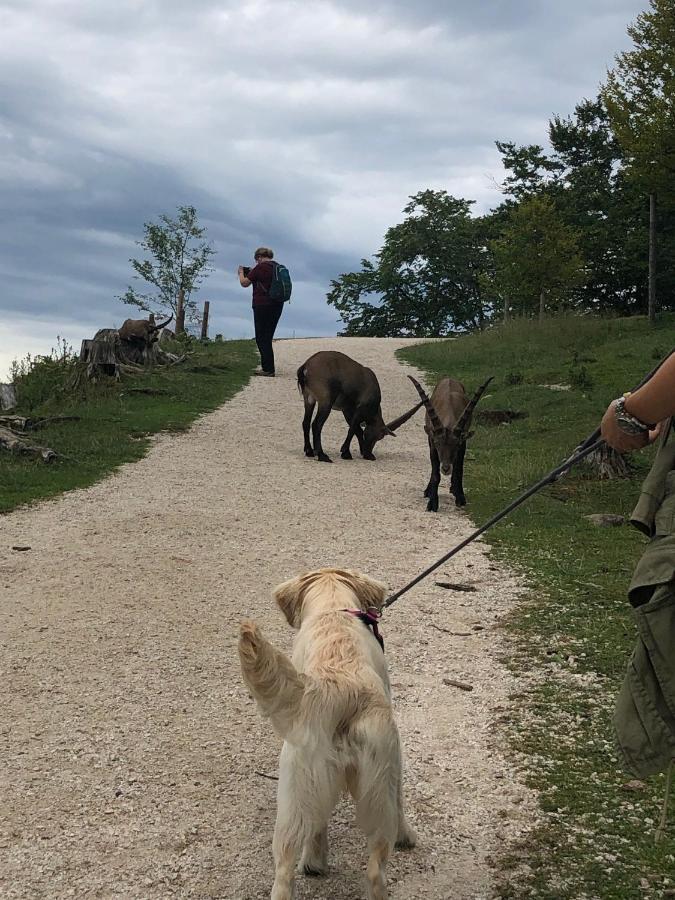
[(116, 419), (573, 635)]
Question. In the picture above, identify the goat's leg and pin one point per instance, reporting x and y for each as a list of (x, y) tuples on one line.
[(435, 479), (309, 409), (322, 414), (456, 479), (354, 429)]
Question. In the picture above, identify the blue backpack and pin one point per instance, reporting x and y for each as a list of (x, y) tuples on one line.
[(281, 286)]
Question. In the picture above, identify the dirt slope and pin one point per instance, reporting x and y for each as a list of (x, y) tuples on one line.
[(129, 747)]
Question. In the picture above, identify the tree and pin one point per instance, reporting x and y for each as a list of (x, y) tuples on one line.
[(640, 99), (424, 280), (178, 264), (537, 262)]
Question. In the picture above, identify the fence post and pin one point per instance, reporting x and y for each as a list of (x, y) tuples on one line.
[(205, 321)]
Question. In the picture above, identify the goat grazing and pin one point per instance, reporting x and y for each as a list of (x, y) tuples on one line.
[(335, 381), (447, 424)]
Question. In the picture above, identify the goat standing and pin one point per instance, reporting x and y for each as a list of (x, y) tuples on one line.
[(333, 380), (447, 424)]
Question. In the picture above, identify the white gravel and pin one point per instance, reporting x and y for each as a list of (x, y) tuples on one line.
[(129, 746)]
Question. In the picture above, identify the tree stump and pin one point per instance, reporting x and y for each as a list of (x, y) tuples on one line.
[(7, 396), (606, 463)]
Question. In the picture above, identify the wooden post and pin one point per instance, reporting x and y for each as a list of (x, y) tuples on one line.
[(542, 306), (205, 321), (180, 312), (651, 302)]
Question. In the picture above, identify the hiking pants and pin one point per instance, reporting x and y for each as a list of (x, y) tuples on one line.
[(265, 319)]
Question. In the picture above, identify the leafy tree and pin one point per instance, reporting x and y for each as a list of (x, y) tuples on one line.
[(640, 98), (424, 280), (179, 262), (537, 262)]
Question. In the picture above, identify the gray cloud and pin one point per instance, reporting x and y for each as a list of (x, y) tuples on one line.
[(302, 125)]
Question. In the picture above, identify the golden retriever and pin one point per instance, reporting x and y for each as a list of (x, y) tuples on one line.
[(331, 704)]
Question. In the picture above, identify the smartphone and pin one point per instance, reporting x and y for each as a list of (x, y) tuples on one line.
[(246, 270)]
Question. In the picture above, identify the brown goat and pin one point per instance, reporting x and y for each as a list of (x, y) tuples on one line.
[(336, 381), (142, 331), (447, 424)]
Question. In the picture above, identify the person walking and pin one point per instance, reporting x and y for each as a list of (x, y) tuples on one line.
[(266, 310), (644, 717)]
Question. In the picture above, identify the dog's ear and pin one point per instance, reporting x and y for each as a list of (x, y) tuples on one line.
[(289, 597), (369, 592)]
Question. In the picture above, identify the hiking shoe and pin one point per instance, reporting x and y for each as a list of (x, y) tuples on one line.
[(264, 373)]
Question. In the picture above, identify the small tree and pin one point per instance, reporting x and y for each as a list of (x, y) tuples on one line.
[(536, 259), (179, 263)]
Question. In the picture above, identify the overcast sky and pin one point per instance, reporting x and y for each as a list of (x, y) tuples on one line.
[(296, 124)]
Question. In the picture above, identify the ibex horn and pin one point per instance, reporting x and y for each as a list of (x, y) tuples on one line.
[(392, 426), (433, 415), (464, 419), (162, 324)]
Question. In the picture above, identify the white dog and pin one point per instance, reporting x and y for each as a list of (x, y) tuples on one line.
[(332, 707)]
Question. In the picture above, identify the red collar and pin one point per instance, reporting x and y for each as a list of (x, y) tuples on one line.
[(370, 619)]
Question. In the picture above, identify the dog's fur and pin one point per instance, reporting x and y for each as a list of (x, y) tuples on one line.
[(332, 707)]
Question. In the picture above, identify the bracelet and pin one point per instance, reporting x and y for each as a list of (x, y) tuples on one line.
[(628, 423)]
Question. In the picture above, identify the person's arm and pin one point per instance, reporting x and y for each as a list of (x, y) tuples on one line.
[(653, 402), (243, 280)]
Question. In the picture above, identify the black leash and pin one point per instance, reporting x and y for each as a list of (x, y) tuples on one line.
[(548, 479), (590, 445)]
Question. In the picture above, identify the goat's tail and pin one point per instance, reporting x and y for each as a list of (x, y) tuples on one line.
[(275, 683), (301, 379)]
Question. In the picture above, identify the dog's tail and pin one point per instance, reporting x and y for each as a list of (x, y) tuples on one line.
[(275, 683)]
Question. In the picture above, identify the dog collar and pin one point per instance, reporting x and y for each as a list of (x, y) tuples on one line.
[(370, 619)]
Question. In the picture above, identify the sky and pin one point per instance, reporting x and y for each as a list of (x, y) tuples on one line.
[(301, 125)]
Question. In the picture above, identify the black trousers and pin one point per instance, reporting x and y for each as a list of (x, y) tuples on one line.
[(266, 319)]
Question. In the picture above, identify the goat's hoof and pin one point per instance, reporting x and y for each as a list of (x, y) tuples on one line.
[(309, 451), (345, 454), (369, 456), (432, 506), (460, 501), (323, 458)]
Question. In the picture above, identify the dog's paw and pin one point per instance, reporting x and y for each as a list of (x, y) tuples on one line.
[(249, 638), (407, 839), (311, 870)]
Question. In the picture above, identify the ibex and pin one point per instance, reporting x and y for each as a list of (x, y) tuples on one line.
[(447, 424), (142, 331), (335, 381)]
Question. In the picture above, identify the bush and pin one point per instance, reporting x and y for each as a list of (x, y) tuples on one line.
[(41, 379)]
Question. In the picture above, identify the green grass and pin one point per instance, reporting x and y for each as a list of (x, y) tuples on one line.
[(116, 421), (572, 637)]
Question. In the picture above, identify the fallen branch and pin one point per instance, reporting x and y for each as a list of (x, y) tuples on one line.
[(447, 630), (22, 423), (455, 586), (14, 444), (462, 685), (265, 775)]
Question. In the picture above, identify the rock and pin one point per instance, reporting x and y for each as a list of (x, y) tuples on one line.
[(635, 785), (605, 520), (557, 387)]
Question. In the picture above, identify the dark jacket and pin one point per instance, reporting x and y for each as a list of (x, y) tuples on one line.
[(644, 718)]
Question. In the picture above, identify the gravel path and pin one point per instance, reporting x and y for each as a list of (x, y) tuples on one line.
[(129, 747)]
